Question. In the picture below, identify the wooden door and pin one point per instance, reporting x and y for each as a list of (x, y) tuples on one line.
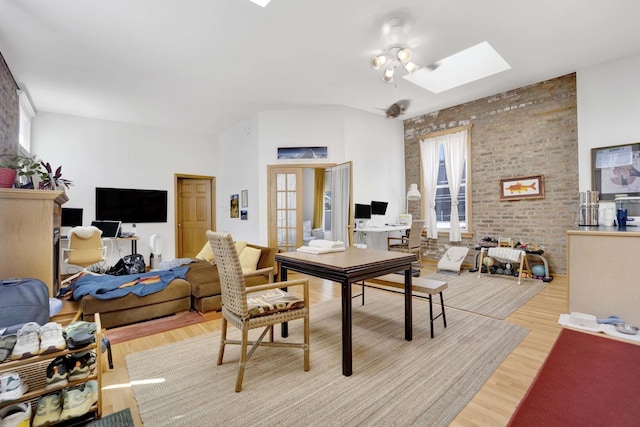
[(285, 207), (195, 211)]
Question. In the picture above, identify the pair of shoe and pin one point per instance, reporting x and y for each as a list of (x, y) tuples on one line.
[(33, 339), (11, 387), (71, 367), (66, 404), (79, 334), (16, 415)]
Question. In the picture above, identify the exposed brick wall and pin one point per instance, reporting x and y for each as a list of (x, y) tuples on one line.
[(527, 131), (9, 109)]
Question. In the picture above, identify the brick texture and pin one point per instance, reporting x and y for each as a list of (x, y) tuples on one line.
[(527, 131), (9, 109)]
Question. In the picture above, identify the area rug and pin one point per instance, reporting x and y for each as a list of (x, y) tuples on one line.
[(117, 419), (395, 382), (587, 380), (494, 296)]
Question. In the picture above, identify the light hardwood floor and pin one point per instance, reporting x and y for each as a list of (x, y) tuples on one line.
[(492, 405)]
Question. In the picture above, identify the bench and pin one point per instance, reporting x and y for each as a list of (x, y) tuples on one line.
[(421, 285)]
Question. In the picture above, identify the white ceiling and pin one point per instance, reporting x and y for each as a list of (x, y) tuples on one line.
[(206, 64)]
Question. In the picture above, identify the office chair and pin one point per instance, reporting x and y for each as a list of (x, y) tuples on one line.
[(85, 249), (410, 243)]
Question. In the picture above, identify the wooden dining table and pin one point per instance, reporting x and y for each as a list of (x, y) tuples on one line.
[(347, 267)]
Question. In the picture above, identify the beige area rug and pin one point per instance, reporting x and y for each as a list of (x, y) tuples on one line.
[(394, 382), (494, 296)]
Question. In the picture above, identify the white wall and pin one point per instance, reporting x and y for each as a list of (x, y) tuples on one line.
[(99, 153), (608, 109), (238, 170)]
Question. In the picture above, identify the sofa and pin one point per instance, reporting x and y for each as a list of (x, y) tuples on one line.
[(200, 290)]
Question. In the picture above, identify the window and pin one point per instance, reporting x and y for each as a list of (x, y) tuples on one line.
[(27, 113), (443, 197), (434, 161)]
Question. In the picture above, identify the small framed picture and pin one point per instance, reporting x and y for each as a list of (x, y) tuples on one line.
[(244, 198), (244, 215), (528, 187), (234, 210)]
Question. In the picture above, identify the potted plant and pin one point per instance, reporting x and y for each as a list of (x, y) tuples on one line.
[(50, 180), (16, 164)]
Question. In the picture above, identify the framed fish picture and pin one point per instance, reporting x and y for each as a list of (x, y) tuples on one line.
[(528, 187)]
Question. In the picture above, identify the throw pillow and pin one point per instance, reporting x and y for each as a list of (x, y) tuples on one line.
[(249, 259), (206, 253), (240, 245)]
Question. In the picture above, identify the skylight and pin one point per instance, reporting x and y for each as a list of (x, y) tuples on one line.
[(466, 66)]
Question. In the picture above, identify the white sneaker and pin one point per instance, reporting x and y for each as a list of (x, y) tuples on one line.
[(11, 387), (51, 339), (48, 409), (28, 343), (16, 415), (78, 400)]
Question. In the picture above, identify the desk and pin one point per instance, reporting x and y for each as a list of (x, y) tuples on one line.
[(352, 265), (379, 238), (134, 241)]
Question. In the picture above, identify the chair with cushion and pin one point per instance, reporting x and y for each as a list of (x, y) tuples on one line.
[(85, 249), (260, 306), (410, 243)]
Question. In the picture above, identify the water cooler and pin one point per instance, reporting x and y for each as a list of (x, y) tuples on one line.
[(155, 248), (589, 205)]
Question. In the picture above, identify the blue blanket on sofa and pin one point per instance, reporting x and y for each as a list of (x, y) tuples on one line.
[(108, 287)]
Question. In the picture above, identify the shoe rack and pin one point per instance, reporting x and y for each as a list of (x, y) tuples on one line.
[(33, 371)]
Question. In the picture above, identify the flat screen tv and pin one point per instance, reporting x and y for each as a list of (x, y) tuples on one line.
[(71, 217), (131, 205), (362, 212), (378, 208)]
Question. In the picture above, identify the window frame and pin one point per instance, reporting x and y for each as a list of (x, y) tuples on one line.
[(27, 113), (442, 229)]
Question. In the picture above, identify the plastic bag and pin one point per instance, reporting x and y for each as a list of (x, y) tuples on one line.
[(129, 264)]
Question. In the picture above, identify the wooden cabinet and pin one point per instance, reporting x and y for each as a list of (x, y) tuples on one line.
[(603, 275), (29, 235)]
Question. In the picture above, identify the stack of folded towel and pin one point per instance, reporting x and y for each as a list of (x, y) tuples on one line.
[(320, 246)]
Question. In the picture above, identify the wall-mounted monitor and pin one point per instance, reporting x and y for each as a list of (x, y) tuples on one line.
[(131, 205), (362, 211), (71, 217), (378, 208)]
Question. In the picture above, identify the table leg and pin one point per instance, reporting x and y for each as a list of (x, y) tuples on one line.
[(134, 247), (347, 361), (408, 305), (284, 326)]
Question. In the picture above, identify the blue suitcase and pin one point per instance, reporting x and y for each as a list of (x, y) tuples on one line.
[(22, 301)]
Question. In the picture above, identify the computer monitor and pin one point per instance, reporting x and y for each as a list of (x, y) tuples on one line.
[(71, 217), (378, 208), (362, 211), (110, 229)]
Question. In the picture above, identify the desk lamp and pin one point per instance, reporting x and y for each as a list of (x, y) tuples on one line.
[(413, 194)]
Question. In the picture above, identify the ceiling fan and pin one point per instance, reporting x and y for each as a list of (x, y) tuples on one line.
[(397, 108)]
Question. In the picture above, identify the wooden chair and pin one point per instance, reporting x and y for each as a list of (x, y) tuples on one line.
[(255, 307)]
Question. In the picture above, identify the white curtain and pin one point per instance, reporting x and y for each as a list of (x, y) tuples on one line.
[(429, 149), (340, 185), (455, 154)]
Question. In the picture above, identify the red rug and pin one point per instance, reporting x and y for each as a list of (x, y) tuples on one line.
[(587, 380), (150, 327)]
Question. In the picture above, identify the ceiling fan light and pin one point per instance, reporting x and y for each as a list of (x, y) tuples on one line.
[(388, 75), (378, 61), (411, 67), (404, 55)]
